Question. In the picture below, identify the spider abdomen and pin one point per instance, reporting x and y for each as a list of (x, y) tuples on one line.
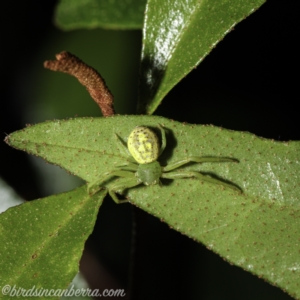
[(149, 173), (143, 145)]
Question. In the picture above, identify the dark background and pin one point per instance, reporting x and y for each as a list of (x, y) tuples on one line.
[(249, 82)]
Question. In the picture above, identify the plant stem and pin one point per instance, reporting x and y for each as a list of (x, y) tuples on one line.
[(68, 63)]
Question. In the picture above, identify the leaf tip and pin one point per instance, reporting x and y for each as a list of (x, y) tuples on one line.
[(6, 139)]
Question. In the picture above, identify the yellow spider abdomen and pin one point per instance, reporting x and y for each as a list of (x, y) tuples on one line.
[(143, 145)]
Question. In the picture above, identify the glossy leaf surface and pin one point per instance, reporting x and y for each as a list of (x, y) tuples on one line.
[(177, 36), (87, 14), (257, 230), (42, 241)]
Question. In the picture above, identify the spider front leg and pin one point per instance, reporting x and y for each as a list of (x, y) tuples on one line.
[(123, 146), (123, 185), (189, 174), (197, 159), (163, 139), (129, 166), (95, 186)]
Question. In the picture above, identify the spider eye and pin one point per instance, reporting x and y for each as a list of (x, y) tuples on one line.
[(143, 145)]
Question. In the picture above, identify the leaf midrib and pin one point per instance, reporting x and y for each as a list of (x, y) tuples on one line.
[(48, 241)]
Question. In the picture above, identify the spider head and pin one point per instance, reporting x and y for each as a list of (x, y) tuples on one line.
[(150, 173)]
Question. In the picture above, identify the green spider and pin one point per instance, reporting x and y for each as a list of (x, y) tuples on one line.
[(142, 165)]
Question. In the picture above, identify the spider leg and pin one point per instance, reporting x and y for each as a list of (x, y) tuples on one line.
[(188, 174), (129, 167), (119, 186), (95, 186), (163, 139), (197, 159), (124, 147)]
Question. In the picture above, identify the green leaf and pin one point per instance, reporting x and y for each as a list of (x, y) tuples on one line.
[(177, 37), (257, 230), (89, 14), (42, 241)]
